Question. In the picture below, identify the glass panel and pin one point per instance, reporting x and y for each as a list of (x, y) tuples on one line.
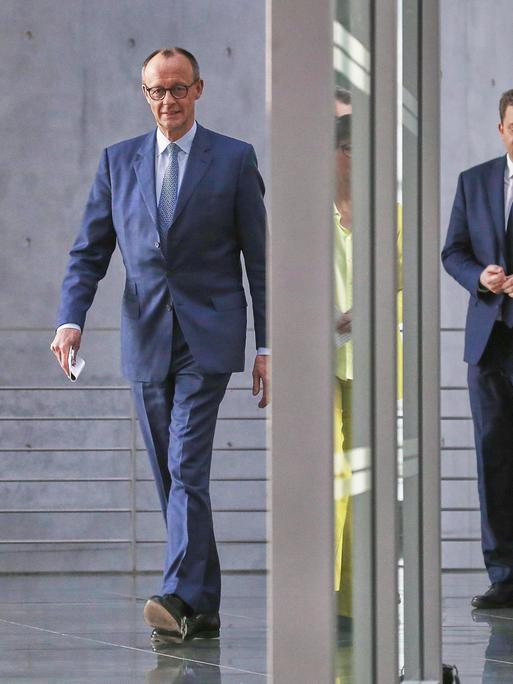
[(353, 246), (352, 321), (408, 342)]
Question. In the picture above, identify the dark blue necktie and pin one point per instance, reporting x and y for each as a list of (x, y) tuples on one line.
[(507, 305)]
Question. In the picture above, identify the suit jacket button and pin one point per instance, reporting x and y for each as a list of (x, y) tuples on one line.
[(157, 244), (169, 307)]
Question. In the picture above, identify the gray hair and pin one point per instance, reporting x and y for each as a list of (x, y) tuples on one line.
[(171, 52)]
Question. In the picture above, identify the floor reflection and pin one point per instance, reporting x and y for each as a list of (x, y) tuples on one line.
[(344, 652), (185, 663), (499, 652), (479, 642)]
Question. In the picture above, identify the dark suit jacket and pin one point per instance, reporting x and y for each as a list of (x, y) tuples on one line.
[(220, 214), (476, 239)]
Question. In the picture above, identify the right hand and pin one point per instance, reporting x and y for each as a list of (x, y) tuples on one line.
[(64, 340), (493, 278)]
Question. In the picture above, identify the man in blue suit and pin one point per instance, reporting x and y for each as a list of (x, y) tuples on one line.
[(182, 203), (478, 253)]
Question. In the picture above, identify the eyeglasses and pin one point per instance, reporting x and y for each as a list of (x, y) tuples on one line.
[(178, 91), (347, 149)]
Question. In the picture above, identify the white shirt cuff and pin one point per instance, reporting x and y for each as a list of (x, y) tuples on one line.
[(264, 351), (73, 326)]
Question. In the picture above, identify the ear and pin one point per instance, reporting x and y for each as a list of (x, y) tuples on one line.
[(500, 127), (199, 89), (146, 96)]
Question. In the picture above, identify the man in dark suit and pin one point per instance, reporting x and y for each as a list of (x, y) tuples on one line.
[(182, 203), (478, 253)]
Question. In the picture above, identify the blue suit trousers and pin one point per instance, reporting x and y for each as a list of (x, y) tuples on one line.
[(491, 399), (177, 419)]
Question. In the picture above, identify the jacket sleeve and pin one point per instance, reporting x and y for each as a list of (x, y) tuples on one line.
[(251, 222), (90, 255), (457, 255)]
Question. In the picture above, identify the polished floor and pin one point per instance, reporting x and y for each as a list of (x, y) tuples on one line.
[(479, 642), (88, 629)]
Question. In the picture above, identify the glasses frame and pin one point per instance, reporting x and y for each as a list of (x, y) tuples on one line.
[(159, 99), (344, 147)]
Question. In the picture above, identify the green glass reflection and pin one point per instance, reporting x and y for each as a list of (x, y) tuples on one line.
[(352, 247)]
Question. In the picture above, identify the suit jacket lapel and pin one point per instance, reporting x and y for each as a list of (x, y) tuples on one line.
[(495, 188), (144, 166), (197, 164)]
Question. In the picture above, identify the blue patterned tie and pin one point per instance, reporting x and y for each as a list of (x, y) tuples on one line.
[(169, 192)]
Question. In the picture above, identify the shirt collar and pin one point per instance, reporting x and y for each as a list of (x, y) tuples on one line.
[(336, 214), (184, 143), (509, 167)]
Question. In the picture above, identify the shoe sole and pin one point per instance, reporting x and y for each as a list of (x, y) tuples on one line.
[(157, 616), (163, 637)]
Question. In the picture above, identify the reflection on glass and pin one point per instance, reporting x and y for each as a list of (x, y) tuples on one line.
[(343, 296), (408, 313), (352, 350), (354, 246)]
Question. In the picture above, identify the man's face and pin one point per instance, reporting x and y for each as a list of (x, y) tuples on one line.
[(506, 130), (343, 161), (174, 116), (341, 108)]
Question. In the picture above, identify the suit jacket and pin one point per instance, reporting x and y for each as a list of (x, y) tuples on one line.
[(197, 272), (475, 239)]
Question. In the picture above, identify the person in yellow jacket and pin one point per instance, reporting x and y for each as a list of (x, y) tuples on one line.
[(343, 300)]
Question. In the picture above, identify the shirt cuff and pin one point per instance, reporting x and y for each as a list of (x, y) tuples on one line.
[(73, 326), (264, 351)]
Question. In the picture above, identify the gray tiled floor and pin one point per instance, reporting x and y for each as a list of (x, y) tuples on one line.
[(480, 642), (89, 630)]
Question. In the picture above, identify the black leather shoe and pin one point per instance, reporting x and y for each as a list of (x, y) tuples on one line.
[(499, 595), (449, 675), (201, 626), (166, 613)]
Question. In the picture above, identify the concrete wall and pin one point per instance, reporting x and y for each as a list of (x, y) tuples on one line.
[(72, 465), (477, 58)]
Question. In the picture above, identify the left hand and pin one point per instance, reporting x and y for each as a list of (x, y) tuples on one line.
[(261, 379), (507, 286)]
